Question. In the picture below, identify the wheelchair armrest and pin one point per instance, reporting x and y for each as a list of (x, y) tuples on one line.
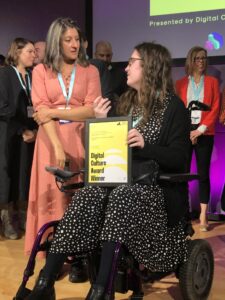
[(179, 177), (61, 175)]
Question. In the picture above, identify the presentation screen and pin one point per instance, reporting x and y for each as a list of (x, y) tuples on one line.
[(177, 24)]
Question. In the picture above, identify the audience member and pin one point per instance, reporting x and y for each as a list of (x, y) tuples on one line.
[(63, 91), (18, 132), (135, 214), (39, 52), (2, 60), (222, 110), (105, 76), (103, 51), (198, 86)]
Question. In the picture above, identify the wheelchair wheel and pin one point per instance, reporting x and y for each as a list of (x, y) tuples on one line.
[(196, 275)]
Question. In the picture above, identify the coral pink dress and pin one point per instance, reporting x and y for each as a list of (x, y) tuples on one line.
[(46, 202)]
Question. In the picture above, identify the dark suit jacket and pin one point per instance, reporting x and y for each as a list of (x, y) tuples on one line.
[(106, 83), (14, 101), (119, 79)]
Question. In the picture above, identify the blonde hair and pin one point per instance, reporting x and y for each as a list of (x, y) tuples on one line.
[(190, 60), (53, 54), (15, 49)]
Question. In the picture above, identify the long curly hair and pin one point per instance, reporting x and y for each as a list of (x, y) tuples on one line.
[(155, 84)]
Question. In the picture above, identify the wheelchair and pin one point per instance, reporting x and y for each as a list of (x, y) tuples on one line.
[(195, 275)]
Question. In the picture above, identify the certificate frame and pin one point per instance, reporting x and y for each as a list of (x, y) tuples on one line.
[(107, 159)]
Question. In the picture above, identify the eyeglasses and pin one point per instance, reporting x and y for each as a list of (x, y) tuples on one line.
[(132, 60), (200, 58)]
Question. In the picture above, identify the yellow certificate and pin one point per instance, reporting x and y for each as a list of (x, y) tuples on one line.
[(107, 152)]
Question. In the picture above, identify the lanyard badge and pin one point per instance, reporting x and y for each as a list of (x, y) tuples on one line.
[(66, 95), (30, 109)]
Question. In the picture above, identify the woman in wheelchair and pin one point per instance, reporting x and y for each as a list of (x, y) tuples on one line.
[(147, 217)]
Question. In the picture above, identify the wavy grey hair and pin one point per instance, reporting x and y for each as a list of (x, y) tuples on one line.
[(53, 55)]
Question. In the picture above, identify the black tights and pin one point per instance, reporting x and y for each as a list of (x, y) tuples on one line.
[(55, 262), (105, 268), (53, 266)]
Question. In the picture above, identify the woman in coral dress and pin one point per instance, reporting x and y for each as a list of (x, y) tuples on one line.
[(63, 91)]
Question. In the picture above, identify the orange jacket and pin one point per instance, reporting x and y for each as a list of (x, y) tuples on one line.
[(211, 98), (222, 112)]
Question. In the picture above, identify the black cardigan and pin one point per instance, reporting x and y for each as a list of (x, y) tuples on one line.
[(171, 154)]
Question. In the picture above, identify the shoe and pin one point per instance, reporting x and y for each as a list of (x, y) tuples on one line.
[(7, 226), (97, 292), (78, 272), (43, 289), (204, 227)]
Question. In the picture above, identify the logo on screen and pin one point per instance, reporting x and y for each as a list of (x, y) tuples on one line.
[(214, 42)]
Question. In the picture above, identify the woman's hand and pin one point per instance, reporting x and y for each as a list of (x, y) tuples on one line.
[(42, 116), (29, 136), (194, 134), (101, 107), (135, 139), (60, 156)]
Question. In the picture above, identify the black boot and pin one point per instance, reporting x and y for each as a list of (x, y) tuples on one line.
[(78, 271), (97, 292), (43, 289)]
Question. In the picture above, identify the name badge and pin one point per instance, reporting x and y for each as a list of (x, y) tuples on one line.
[(30, 111), (61, 122)]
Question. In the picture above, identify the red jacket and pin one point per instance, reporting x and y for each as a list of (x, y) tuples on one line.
[(211, 98)]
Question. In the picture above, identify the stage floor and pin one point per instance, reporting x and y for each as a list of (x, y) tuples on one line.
[(12, 264)]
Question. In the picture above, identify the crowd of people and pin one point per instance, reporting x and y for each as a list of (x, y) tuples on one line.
[(47, 90)]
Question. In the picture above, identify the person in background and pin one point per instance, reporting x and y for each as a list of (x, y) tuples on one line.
[(103, 51), (17, 133), (39, 52), (104, 73), (198, 86), (148, 223), (63, 91), (2, 60), (222, 109)]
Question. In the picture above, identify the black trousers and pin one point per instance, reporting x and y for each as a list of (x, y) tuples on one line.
[(203, 152)]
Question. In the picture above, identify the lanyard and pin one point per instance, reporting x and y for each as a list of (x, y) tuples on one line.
[(197, 90), (22, 83), (135, 120), (67, 96)]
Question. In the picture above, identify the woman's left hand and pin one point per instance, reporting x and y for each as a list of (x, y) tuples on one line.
[(135, 139), (101, 107), (29, 136), (194, 134), (42, 116)]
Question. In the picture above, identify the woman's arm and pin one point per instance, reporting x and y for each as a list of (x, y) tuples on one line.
[(222, 110), (40, 100), (56, 144), (210, 117), (80, 113)]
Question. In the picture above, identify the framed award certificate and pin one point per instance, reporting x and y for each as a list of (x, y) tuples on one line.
[(108, 156)]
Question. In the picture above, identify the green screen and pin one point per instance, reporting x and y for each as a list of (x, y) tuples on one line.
[(167, 7)]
